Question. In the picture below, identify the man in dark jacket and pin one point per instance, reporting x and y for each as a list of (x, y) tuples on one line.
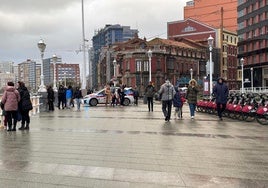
[(221, 92), (149, 93)]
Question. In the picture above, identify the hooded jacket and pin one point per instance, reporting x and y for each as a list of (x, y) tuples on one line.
[(192, 92), (167, 91), (10, 99), (221, 92)]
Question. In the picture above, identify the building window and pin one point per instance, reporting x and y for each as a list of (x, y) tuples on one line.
[(146, 65), (188, 29), (158, 64), (241, 25), (240, 2), (128, 65), (138, 66), (240, 13)]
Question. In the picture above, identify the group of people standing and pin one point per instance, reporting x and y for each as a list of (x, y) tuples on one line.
[(66, 97), (16, 104), (114, 95)]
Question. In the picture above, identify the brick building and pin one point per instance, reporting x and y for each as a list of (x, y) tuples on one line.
[(224, 53), (209, 12), (170, 59), (253, 40)]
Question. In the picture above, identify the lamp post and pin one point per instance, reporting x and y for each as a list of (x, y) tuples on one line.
[(114, 64), (210, 44), (55, 59), (242, 72), (251, 71), (150, 53), (115, 75), (191, 72), (84, 78), (65, 79), (42, 46)]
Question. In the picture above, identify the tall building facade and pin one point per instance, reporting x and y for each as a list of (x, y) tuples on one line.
[(27, 74), (4, 78), (225, 61), (253, 40), (6, 67), (213, 12), (68, 74), (107, 36)]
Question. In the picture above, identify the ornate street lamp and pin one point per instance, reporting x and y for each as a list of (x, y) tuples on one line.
[(55, 59), (242, 72), (210, 44), (150, 54), (42, 46), (115, 75)]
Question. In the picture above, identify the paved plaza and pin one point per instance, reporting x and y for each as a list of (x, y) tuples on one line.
[(118, 147)]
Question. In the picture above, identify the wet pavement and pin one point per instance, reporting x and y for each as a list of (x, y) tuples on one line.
[(131, 147)]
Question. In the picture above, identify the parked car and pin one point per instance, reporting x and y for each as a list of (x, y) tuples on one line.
[(99, 97)]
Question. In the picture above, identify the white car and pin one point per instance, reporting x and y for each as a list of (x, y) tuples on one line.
[(99, 97)]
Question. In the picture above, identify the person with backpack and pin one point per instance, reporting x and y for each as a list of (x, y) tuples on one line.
[(149, 93), (167, 92)]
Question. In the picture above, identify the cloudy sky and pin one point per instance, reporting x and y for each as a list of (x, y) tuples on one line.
[(59, 24)]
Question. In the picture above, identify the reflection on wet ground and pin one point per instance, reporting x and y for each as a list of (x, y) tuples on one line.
[(154, 133), (130, 147)]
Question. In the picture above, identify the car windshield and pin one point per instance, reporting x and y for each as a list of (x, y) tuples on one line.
[(128, 92)]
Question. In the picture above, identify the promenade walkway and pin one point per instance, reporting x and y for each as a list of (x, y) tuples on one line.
[(131, 147)]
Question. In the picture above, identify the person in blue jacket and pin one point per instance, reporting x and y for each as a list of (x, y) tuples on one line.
[(221, 92)]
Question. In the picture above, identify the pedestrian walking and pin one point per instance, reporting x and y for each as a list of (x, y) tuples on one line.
[(69, 96), (136, 95), (167, 93), (25, 105), (61, 97), (191, 96), (178, 101), (50, 98), (10, 99), (78, 96), (221, 92), (149, 93), (121, 95), (107, 92)]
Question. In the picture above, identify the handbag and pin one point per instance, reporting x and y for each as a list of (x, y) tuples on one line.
[(2, 106), (19, 117)]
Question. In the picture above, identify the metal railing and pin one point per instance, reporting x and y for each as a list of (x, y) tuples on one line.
[(251, 90)]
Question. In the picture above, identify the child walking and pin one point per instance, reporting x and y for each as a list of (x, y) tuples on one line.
[(178, 101)]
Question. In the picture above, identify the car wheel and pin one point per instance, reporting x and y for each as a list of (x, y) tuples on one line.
[(126, 102), (93, 102)]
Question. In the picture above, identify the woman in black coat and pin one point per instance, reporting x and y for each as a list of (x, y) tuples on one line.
[(25, 105)]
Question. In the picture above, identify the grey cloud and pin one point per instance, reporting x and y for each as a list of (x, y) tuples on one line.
[(58, 22)]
